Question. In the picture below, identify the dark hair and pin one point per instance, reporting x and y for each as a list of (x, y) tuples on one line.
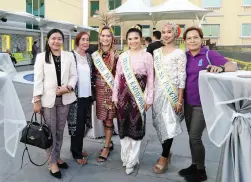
[(148, 39), (199, 30), (35, 42), (78, 37), (47, 47), (134, 29), (157, 34)]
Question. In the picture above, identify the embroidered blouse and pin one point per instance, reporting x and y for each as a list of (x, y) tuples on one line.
[(141, 63)]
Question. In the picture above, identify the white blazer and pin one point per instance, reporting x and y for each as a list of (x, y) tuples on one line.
[(45, 78)]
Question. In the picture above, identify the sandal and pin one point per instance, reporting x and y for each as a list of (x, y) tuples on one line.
[(82, 161), (159, 169), (111, 147), (84, 154), (103, 159)]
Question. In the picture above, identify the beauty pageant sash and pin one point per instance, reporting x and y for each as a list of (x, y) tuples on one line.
[(133, 84), (102, 68)]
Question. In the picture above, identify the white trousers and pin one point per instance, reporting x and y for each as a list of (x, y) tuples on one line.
[(130, 151)]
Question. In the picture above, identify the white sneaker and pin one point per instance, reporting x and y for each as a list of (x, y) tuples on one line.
[(129, 170)]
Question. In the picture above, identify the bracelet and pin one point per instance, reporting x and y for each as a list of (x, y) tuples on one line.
[(180, 104)]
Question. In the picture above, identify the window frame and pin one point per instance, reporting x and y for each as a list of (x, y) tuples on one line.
[(242, 36), (184, 28), (108, 8), (220, 4), (93, 31), (144, 27), (91, 15), (246, 5), (114, 29), (212, 36)]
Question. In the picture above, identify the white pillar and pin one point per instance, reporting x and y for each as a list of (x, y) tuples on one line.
[(85, 12), (121, 36), (41, 40), (70, 41)]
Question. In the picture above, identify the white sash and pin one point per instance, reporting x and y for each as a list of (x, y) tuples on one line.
[(102, 68), (133, 84), (163, 77)]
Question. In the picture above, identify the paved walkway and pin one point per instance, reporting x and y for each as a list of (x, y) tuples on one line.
[(110, 171)]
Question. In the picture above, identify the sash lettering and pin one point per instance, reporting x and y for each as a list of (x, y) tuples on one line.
[(133, 84), (166, 83), (102, 68)]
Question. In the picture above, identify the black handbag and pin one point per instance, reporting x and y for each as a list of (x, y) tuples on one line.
[(36, 134)]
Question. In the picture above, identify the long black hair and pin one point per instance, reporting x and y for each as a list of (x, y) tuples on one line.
[(137, 28), (47, 47)]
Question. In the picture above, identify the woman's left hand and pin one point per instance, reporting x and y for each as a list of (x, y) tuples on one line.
[(147, 106), (178, 108), (61, 90), (215, 69)]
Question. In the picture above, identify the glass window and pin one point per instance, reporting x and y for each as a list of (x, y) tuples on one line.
[(35, 7), (94, 7), (246, 30), (182, 27), (73, 44), (113, 4), (211, 30), (29, 43), (117, 30), (94, 35), (146, 31), (211, 3), (247, 2), (5, 42)]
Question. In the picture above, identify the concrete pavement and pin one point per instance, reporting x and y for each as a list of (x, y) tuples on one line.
[(110, 171)]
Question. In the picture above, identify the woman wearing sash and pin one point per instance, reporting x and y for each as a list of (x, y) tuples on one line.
[(105, 59), (133, 74), (170, 78)]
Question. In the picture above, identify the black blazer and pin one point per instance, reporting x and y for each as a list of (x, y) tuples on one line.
[(153, 46)]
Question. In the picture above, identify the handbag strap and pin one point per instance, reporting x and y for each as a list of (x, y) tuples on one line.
[(26, 148)]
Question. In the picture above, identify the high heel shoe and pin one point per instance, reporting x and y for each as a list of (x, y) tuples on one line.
[(103, 159), (57, 174), (111, 147), (159, 169), (63, 165), (129, 170)]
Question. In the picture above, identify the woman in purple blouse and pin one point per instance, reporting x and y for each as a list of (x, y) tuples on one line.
[(198, 58)]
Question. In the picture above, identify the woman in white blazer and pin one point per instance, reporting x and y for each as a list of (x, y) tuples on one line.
[(55, 76)]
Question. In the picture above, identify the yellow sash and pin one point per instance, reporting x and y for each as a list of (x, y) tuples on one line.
[(163, 77), (133, 84), (102, 68)]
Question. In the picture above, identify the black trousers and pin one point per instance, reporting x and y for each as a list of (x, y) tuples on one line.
[(166, 146), (77, 140)]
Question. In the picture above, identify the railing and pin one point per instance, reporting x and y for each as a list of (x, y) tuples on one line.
[(246, 40), (246, 9), (215, 11)]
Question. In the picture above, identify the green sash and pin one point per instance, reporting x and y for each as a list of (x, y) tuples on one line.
[(102, 68)]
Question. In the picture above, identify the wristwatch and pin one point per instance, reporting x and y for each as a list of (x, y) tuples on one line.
[(223, 69)]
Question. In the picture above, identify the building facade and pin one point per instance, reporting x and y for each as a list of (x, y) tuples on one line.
[(229, 23)]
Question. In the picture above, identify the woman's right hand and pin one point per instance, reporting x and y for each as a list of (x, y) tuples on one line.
[(116, 104), (37, 107)]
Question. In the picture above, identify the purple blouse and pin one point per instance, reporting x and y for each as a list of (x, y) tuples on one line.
[(194, 65)]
